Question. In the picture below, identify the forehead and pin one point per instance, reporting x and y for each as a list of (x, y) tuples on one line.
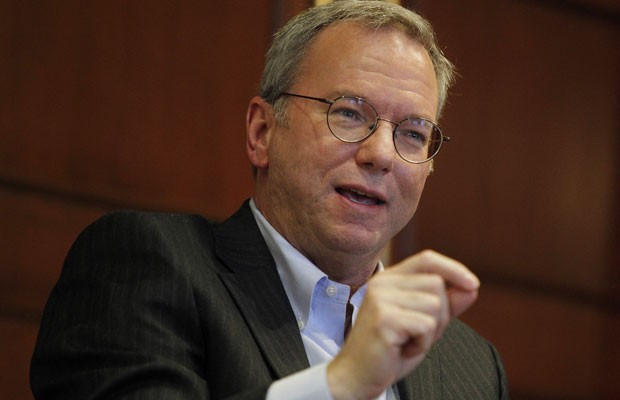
[(384, 66)]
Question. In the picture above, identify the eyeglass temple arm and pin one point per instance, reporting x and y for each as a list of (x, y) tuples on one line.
[(326, 101)]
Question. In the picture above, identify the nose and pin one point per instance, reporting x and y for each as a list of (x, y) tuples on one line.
[(377, 151)]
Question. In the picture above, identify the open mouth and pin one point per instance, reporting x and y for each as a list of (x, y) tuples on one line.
[(360, 197)]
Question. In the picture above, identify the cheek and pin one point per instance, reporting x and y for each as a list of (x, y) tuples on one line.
[(411, 187), (297, 166), (322, 156), (303, 140)]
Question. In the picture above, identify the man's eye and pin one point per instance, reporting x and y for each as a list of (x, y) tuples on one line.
[(347, 118), (413, 139), (415, 136), (346, 113)]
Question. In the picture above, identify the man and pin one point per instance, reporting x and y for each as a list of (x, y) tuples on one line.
[(287, 299)]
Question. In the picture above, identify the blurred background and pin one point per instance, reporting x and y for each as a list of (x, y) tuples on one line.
[(110, 105)]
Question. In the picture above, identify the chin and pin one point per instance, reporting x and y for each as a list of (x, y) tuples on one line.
[(357, 242)]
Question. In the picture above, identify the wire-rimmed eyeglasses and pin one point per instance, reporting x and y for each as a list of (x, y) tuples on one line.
[(352, 119)]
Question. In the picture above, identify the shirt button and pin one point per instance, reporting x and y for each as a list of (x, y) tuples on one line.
[(331, 291), (300, 324)]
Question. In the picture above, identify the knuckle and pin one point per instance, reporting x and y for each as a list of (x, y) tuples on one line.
[(427, 255), (434, 304), (430, 325)]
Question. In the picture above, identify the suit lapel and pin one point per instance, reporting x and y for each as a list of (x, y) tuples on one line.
[(253, 281)]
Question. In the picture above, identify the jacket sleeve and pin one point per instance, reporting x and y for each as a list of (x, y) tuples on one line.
[(122, 322)]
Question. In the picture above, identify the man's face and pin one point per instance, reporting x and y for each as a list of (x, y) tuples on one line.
[(341, 201)]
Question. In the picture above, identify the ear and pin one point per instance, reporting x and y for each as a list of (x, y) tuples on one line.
[(260, 123)]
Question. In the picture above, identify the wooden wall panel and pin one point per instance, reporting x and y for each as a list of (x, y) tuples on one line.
[(553, 348), (526, 193), (607, 9), (530, 174), (134, 104), (108, 105), (17, 339)]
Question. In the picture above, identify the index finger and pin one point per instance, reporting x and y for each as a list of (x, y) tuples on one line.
[(454, 273)]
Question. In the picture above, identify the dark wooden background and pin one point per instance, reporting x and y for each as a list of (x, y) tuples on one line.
[(128, 104)]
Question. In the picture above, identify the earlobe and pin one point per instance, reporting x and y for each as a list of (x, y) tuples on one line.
[(260, 123)]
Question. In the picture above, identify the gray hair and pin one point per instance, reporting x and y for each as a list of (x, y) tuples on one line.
[(291, 43)]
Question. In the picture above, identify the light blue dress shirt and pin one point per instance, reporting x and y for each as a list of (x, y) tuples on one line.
[(319, 305)]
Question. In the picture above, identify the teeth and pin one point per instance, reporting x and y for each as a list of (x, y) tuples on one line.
[(361, 193), (359, 197)]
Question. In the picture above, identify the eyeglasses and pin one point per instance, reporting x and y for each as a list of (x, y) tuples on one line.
[(352, 119)]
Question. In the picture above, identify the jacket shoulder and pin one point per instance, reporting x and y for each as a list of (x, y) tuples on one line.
[(141, 238)]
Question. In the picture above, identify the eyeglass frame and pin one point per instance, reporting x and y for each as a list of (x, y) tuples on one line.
[(443, 138)]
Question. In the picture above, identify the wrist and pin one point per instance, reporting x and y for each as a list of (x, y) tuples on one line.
[(344, 384)]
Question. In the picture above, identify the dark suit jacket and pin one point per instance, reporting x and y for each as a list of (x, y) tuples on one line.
[(168, 306)]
